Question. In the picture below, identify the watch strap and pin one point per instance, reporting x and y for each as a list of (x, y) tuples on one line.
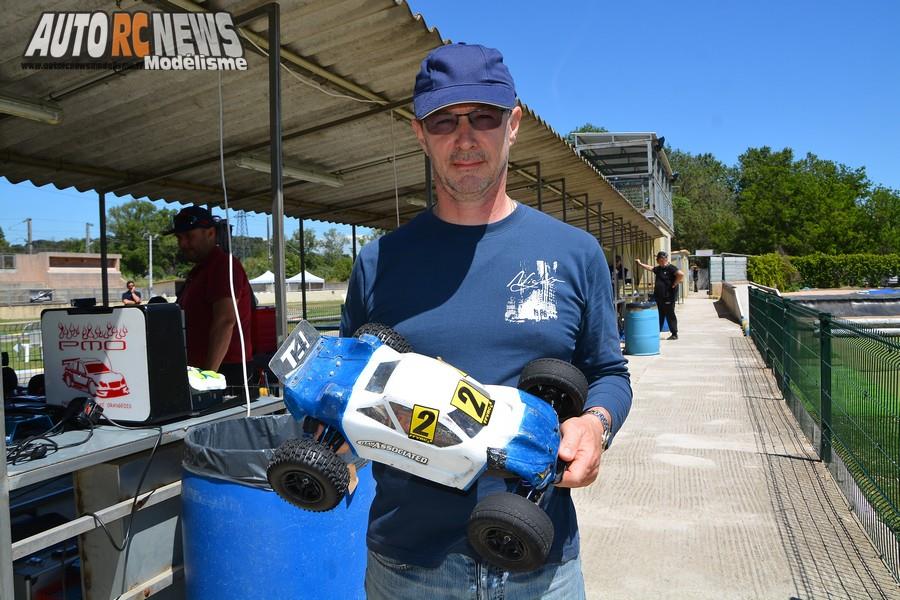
[(607, 428)]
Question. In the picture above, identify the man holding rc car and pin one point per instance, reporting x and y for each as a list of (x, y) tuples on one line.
[(488, 285)]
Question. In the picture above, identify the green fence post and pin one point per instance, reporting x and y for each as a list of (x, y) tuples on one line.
[(825, 385), (785, 354)]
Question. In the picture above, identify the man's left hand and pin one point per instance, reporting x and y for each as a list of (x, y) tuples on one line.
[(582, 438)]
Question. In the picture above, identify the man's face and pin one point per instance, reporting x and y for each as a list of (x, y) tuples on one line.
[(130, 286), (662, 261), (468, 163), (196, 244)]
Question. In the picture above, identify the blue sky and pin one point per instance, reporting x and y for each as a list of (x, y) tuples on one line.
[(712, 76)]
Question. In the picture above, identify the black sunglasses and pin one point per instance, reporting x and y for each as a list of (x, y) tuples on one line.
[(480, 119)]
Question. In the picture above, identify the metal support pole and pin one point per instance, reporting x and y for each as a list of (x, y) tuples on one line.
[(273, 12), (540, 187), (6, 560), (825, 385), (302, 271), (564, 199), (587, 215), (104, 267), (785, 345), (429, 183), (353, 242)]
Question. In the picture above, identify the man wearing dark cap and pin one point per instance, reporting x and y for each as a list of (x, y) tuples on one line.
[(488, 285), (665, 291), (213, 342)]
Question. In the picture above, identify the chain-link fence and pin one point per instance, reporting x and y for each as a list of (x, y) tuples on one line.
[(842, 382)]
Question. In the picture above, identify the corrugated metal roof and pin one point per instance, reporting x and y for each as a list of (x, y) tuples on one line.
[(156, 134)]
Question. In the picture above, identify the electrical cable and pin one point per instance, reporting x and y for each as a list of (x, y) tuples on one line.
[(125, 546), (237, 314), (40, 445)]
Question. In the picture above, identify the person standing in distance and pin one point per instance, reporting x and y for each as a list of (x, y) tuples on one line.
[(488, 285), (131, 297), (668, 276), (210, 323)]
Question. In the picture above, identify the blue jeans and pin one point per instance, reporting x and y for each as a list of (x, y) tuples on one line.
[(462, 578)]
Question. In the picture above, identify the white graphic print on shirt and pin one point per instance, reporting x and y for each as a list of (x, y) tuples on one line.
[(532, 294)]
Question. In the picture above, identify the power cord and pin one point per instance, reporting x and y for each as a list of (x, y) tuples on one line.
[(84, 412), (234, 304), (125, 545)]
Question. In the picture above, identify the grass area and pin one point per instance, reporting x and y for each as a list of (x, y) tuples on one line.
[(17, 358), (865, 421)]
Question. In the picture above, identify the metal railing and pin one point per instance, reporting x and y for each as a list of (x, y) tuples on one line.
[(842, 382)]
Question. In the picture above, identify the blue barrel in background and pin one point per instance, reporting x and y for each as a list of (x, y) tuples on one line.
[(641, 329), (242, 541)]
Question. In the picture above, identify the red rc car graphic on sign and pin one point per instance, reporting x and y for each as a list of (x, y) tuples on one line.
[(94, 377)]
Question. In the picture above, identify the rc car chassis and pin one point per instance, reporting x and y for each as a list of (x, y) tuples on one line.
[(425, 417)]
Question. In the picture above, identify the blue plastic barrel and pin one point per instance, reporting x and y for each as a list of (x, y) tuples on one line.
[(243, 541), (641, 329)]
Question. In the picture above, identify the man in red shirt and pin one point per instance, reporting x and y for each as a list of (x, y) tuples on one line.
[(213, 340)]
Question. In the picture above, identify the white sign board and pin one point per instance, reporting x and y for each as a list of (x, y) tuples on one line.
[(101, 355)]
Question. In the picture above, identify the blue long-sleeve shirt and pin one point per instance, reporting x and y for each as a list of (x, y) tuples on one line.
[(486, 299)]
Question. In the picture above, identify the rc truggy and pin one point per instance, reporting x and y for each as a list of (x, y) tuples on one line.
[(423, 416)]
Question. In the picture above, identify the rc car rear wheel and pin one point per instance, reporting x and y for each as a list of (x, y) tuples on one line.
[(391, 338), (510, 532), (308, 475), (561, 384)]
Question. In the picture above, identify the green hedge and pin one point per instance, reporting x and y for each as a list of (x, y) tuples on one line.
[(822, 270)]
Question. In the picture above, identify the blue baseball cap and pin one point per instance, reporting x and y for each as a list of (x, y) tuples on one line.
[(192, 217), (460, 74)]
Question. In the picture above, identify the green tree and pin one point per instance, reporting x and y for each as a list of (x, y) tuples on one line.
[(704, 202), (4, 245), (799, 207), (882, 216), (332, 245), (586, 128), (127, 225)]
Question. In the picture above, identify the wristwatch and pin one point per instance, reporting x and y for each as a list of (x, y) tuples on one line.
[(607, 428)]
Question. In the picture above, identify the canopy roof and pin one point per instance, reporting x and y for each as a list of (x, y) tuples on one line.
[(310, 278), (267, 277), (345, 112)]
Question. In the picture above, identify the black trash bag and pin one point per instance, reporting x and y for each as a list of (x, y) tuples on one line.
[(238, 450)]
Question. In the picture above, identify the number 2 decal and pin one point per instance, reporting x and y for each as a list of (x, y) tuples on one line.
[(424, 423), (473, 402)]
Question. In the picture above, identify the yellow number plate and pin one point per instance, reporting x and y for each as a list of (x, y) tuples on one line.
[(473, 402), (424, 423)]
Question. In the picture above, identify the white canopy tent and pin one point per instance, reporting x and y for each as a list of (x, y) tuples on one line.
[(267, 278), (313, 282)]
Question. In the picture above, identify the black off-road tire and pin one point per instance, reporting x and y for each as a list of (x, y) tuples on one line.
[(308, 475), (561, 384), (388, 336), (510, 532)]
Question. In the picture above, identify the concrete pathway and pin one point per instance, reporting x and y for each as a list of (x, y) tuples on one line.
[(712, 491)]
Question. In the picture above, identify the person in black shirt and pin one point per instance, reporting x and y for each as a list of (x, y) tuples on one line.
[(665, 292), (131, 297)]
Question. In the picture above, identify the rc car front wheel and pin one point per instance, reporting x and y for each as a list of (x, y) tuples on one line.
[(388, 336), (561, 384), (510, 532), (308, 475)]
